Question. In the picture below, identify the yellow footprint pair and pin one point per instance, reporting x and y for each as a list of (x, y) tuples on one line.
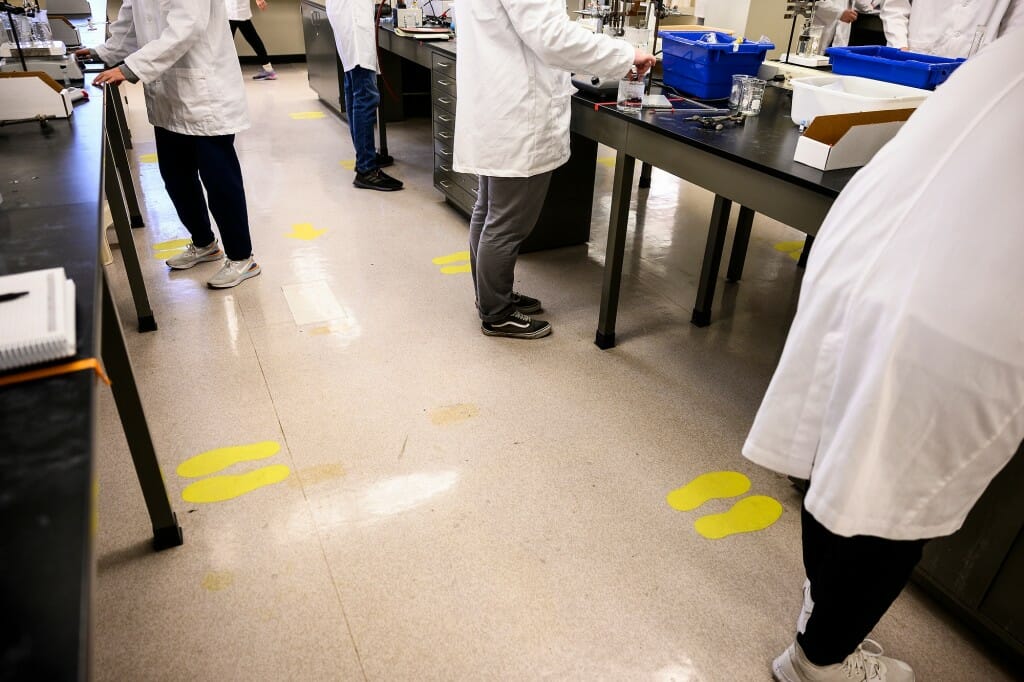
[(229, 486), (750, 514), (454, 263)]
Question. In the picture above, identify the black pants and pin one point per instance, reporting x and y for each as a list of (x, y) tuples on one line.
[(251, 37), (184, 160), (854, 581)]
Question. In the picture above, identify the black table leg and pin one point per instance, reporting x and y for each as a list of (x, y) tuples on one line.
[(740, 242), (621, 193), (122, 119), (114, 131), (126, 243), (166, 531), (645, 176), (712, 260), (805, 254)]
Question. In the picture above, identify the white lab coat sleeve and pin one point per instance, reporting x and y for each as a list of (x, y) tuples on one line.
[(546, 29), (187, 21), (122, 41), (895, 16), (1014, 17)]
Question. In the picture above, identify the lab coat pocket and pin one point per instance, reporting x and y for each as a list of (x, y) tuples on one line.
[(188, 91)]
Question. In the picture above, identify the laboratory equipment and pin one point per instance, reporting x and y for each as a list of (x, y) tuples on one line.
[(631, 93), (703, 69), (736, 94), (750, 96), (894, 66), (823, 95), (27, 36), (809, 41)]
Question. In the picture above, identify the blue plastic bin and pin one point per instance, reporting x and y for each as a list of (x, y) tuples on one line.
[(705, 70), (893, 66)]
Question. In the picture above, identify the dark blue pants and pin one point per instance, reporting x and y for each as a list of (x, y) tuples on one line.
[(189, 163), (361, 100)]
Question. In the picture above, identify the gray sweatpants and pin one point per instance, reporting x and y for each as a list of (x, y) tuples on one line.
[(505, 213)]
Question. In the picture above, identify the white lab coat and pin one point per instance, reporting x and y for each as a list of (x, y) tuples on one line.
[(900, 391), (238, 10), (354, 24), (945, 28), (514, 59), (183, 54)]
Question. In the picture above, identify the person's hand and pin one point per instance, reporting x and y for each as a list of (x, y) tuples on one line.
[(849, 16), (83, 54), (262, 4), (110, 77), (643, 62)]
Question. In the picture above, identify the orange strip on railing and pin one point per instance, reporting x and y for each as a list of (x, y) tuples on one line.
[(67, 368)]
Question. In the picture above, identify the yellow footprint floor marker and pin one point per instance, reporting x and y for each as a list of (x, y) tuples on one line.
[(212, 461), (750, 514), (216, 581), (221, 488), (348, 164), (792, 249), (607, 161), (454, 263), (306, 115), (148, 158), (453, 414), (172, 247), (305, 232), (711, 486)]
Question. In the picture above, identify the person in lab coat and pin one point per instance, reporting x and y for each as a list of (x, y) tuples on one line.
[(836, 17), (240, 18), (182, 52), (947, 29), (900, 390), (512, 129), (355, 34)]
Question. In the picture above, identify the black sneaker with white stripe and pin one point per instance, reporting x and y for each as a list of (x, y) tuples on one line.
[(517, 326), (527, 305)]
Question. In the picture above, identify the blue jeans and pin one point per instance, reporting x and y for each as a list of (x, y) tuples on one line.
[(361, 100)]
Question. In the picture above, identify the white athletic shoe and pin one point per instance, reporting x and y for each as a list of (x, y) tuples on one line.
[(866, 664), (193, 256), (808, 608), (233, 273)]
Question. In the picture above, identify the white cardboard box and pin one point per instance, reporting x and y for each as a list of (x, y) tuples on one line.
[(848, 140)]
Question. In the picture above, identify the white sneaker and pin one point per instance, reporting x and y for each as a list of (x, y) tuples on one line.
[(866, 664), (193, 256), (233, 273), (807, 610)]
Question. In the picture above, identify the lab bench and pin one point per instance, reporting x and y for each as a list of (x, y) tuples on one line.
[(51, 177)]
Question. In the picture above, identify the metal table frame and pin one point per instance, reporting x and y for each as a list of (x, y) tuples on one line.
[(757, 191)]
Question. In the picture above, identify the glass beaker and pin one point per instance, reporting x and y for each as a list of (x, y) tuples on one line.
[(631, 94), (736, 94), (810, 41), (752, 94)]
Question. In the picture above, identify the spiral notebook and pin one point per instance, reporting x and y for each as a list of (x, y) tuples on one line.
[(37, 318)]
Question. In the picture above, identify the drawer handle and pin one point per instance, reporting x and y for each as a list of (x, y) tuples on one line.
[(443, 184), (442, 117), (445, 168), (475, 191), (446, 153), (443, 134), (442, 100), (443, 83), (443, 65)]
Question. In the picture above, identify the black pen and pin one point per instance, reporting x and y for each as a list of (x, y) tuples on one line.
[(10, 297)]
